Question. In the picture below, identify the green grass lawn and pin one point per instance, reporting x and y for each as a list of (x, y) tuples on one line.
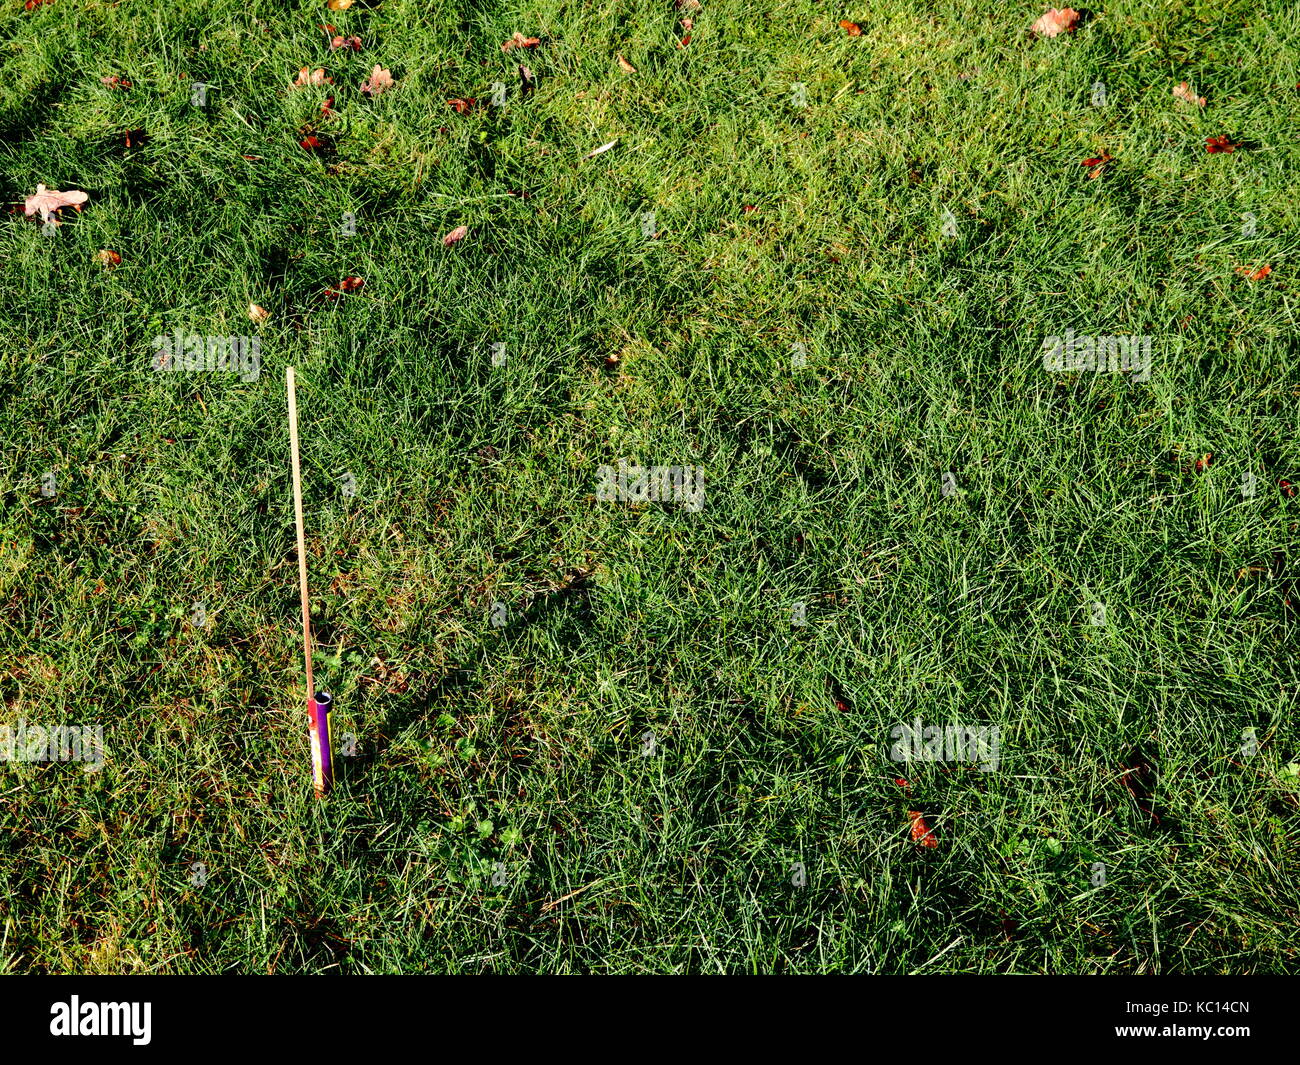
[(820, 267)]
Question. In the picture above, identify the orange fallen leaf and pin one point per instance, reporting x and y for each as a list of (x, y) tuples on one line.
[(1254, 275), (379, 80), (625, 66), (114, 82), (457, 234), (851, 28), (1214, 145), (688, 24), (311, 144), (1052, 21), (326, 108), (315, 77), (920, 830), (346, 42), (108, 257), (684, 41), (1183, 92), (339, 5), (49, 202), (257, 314), (461, 106), (348, 284), (1097, 163), (32, 5), (518, 40)]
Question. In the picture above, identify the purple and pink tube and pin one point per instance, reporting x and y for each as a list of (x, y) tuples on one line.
[(322, 761)]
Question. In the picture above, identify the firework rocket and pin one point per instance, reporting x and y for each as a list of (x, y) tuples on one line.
[(319, 704), (322, 760)]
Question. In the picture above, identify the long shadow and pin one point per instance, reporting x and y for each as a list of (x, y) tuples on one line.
[(458, 681)]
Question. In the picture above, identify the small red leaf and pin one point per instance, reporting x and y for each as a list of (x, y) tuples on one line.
[(920, 830)]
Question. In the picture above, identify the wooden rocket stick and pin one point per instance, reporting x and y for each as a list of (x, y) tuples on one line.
[(297, 513)]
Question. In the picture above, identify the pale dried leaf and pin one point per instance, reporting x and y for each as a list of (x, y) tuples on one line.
[(48, 201), (308, 78), (379, 80), (1052, 21)]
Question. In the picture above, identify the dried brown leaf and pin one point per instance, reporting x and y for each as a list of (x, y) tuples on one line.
[(1052, 22), (518, 40)]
